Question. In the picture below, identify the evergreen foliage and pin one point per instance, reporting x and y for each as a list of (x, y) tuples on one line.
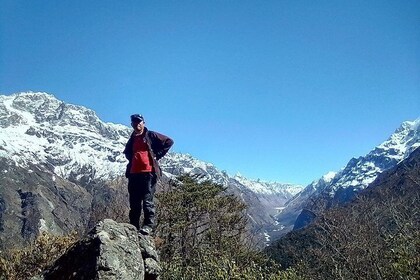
[(203, 233)]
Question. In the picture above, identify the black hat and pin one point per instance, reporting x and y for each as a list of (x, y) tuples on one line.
[(137, 117)]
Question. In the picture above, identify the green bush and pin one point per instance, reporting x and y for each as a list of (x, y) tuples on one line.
[(223, 266), (203, 233)]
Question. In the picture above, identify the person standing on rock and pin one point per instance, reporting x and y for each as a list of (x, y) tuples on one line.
[(143, 150)]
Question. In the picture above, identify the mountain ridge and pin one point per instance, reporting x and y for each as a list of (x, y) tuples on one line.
[(354, 177), (79, 130), (70, 141), (379, 226), (59, 142)]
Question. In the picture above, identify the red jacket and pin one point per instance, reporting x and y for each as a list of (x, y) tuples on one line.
[(158, 144)]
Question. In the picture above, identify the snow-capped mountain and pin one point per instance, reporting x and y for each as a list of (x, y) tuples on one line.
[(264, 199), (71, 142), (340, 187), (288, 214), (176, 164), (260, 186), (360, 172), (74, 143)]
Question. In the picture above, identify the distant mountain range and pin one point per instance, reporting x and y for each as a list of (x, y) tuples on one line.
[(337, 188), (72, 142), (59, 161), (66, 142)]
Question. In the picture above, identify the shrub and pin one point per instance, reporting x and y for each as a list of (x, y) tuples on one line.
[(23, 263), (374, 237), (203, 235), (223, 266)]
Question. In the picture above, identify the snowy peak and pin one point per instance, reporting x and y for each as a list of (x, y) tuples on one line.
[(174, 164), (42, 108), (329, 176), (177, 164), (316, 186), (360, 172), (260, 186), (402, 142), (69, 140), (336, 188)]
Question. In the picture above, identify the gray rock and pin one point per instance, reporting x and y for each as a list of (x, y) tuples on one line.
[(150, 257), (120, 255), (110, 251), (147, 246)]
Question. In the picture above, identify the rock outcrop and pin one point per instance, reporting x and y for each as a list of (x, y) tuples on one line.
[(110, 251)]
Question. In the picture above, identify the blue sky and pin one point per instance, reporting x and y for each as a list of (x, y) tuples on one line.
[(277, 90)]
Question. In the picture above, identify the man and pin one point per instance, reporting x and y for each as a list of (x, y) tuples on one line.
[(143, 150)]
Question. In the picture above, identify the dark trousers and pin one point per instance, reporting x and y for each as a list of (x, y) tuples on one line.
[(141, 190)]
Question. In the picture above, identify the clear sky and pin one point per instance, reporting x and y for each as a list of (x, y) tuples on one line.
[(276, 90)]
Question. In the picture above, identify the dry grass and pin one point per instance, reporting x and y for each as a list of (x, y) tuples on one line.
[(23, 263)]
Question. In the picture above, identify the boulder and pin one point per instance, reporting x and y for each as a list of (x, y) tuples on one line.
[(111, 250)]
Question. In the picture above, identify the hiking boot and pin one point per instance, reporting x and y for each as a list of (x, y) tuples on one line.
[(146, 230)]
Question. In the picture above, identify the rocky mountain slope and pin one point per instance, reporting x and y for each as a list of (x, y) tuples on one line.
[(380, 226), (263, 198), (338, 188), (31, 201), (48, 144)]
